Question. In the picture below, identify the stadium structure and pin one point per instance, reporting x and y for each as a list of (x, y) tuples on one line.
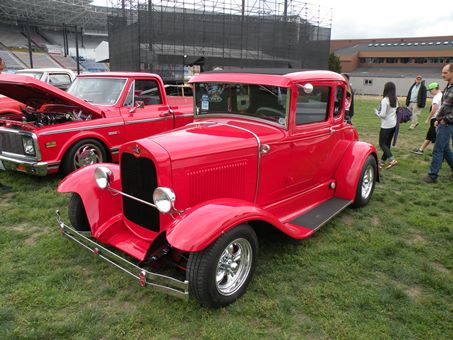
[(372, 62), (165, 37)]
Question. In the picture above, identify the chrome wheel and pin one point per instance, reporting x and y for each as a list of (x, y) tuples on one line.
[(87, 154), (368, 181), (233, 266)]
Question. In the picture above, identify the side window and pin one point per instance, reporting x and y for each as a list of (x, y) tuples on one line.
[(130, 97), (148, 92), (313, 107), (339, 94), (59, 80)]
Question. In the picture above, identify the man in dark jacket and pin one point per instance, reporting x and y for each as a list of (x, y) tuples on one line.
[(444, 125), (416, 99)]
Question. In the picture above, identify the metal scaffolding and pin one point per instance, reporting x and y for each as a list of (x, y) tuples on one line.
[(165, 35)]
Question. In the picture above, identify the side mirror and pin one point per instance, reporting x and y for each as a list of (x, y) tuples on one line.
[(139, 104), (308, 88)]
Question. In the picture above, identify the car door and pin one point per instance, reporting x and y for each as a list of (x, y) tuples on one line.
[(144, 111), (310, 152), (315, 138)]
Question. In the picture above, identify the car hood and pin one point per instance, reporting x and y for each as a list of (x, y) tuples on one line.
[(212, 137), (35, 93)]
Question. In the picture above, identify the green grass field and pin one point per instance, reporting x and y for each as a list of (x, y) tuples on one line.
[(384, 271)]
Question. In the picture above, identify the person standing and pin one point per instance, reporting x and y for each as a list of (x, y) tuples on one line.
[(416, 99), (3, 188), (387, 113), (433, 88), (444, 125), (349, 104)]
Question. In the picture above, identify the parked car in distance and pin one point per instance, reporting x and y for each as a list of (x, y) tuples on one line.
[(63, 131), (264, 150), (58, 77)]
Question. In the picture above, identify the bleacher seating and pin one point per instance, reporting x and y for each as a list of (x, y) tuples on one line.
[(12, 63), (65, 62), (11, 36), (40, 60)]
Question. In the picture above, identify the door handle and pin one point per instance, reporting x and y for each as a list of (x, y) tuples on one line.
[(165, 114)]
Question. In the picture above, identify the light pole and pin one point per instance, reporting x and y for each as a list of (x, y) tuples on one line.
[(183, 66)]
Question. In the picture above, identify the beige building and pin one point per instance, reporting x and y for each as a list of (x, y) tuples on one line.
[(372, 62)]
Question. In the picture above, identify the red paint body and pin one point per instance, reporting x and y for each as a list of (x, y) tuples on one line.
[(111, 125), (220, 177)]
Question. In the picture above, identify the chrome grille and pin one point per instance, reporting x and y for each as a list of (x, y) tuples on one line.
[(139, 179), (11, 142)]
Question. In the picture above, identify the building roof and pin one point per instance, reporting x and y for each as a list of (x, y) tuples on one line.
[(439, 45)]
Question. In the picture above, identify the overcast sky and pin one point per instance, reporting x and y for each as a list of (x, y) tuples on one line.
[(389, 18), (354, 19)]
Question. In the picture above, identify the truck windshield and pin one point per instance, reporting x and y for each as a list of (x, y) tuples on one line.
[(99, 91), (266, 102)]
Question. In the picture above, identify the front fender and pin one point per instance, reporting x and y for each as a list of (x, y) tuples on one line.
[(100, 205), (348, 172), (201, 225)]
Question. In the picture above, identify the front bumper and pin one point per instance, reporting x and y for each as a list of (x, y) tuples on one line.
[(27, 166), (165, 284)]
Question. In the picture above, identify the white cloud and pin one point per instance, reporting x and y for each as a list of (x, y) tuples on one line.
[(389, 18)]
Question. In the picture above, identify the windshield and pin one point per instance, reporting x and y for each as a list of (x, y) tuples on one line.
[(36, 75), (258, 101), (99, 91)]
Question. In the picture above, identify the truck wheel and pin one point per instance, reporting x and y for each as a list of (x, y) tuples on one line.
[(366, 184), (77, 214), (220, 274), (84, 152)]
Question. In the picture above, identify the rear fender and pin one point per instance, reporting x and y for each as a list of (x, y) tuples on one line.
[(348, 172), (201, 225), (100, 205)]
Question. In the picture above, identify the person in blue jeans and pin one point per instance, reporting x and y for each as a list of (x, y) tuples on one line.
[(444, 125)]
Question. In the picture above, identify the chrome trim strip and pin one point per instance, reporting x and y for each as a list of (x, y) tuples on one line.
[(233, 116), (259, 156), (100, 126), (129, 122), (114, 150), (184, 115), (157, 281)]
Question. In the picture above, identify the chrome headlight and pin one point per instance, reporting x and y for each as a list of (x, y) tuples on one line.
[(104, 176), (29, 145), (164, 199)]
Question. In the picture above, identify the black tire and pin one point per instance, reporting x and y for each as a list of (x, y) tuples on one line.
[(366, 184), (208, 283), (83, 153), (77, 214)]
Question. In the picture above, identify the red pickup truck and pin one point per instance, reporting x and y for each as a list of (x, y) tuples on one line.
[(64, 131)]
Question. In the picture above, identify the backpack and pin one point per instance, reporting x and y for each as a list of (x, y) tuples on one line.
[(403, 114)]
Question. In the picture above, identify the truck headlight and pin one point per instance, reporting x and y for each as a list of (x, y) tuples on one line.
[(29, 145), (103, 176), (164, 199)]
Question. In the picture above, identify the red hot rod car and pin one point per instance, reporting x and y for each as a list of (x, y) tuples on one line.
[(85, 125), (263, 150)]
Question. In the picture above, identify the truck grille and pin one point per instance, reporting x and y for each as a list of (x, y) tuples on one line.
[(138, 179), (11, 142)]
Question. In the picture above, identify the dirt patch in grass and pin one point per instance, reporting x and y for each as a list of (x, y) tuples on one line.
[(441, 268), (5, 199), (33, 233), (414, 292)]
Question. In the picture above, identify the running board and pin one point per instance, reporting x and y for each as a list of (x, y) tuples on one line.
[(320, 215)]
